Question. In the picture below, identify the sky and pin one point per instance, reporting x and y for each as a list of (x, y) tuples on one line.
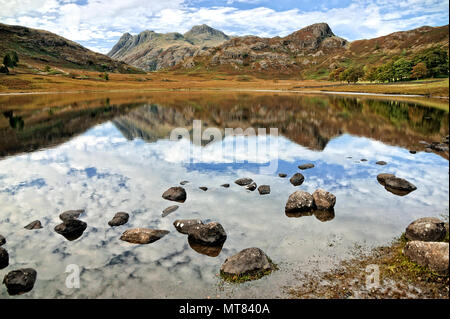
[(98, 24)]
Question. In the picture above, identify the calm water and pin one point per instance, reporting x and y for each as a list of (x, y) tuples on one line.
[(110, 153)]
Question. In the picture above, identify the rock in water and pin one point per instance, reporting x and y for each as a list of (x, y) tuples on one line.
[(381, 163), (20, 281), (243, 181), (306, 166), (399, 186), (71, 214), (203, 188), (119, 219), (251, 187), (297, 179), (2, 240), (426, 229), (184, 182), (433, 255), (169, 210), (211, 234), (143, 235), (252, 262), (264, 189), (282, 175), (225, 185), (34, 225), (71, 229), (185, 225), (381, 178), (298, 202), (324, 200), (4, 258), (177, 194)]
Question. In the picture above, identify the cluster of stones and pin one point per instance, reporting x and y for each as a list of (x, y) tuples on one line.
[(250, 185), (425, 246), (442, 146), (302, 203)]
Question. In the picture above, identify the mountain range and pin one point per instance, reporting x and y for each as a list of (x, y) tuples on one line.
[(311, 51)]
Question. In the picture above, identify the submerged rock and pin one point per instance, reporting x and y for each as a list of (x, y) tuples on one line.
[(323, 200), (282, 175), (433, 255), (185, 225), (71, 229), (264, 189), (177, 194), (203, 188), (184, 182), (119, 219), (211, 234), (71, 214), (243, 181), (413, 151), (299, 201), (251, 187), (143, 235), (4, 258), (34, 225), (381, 163), (225, 185), (20, 281), (248, 264), (363, 160), (306, 166), (426, 229), (169, 210), (2, 240), (297, 179)]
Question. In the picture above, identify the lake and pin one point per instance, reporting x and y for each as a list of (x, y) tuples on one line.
[(112, 152)]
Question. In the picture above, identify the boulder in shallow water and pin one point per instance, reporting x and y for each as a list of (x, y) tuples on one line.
[(177, 194), (119, 219), (34, 225), (399, 186), (71, 229), (243, 181), (143, 235), (185, 225), (323, 200), (306, 166), (282, 175), (299, 201), (71, 214), (381, 178), (211, 234), (248, 264), (433, 255), (426, 229), (225, 185), (264, 189), (4, 258), (251, 187), (20, 281), (203, 188), (184, 182), (169, 210), (297, 179), (381, 163)]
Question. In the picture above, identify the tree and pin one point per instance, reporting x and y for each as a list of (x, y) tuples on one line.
[(371, 74), (435, 59), (402, 69), (419, 71), (11, 59), (352, 74), (334, 75), (386, 72)]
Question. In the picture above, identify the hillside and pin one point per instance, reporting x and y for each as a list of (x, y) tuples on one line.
[(154, 51), (38, 47), (312, 52)]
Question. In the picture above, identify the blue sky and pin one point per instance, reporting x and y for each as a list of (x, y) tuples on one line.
[(98, 24)]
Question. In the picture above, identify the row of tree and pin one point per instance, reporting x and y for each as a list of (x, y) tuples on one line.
[(432, 62)]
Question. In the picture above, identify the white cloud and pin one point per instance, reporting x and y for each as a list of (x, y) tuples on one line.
[(105, 19)]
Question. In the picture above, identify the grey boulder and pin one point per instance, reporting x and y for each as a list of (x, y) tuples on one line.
[(119, 219), (249, 261), (299, 201), (324, 200), (177, 194), (143, 235), (433, 255), (426, 229), (297, 179), (20, 281)]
